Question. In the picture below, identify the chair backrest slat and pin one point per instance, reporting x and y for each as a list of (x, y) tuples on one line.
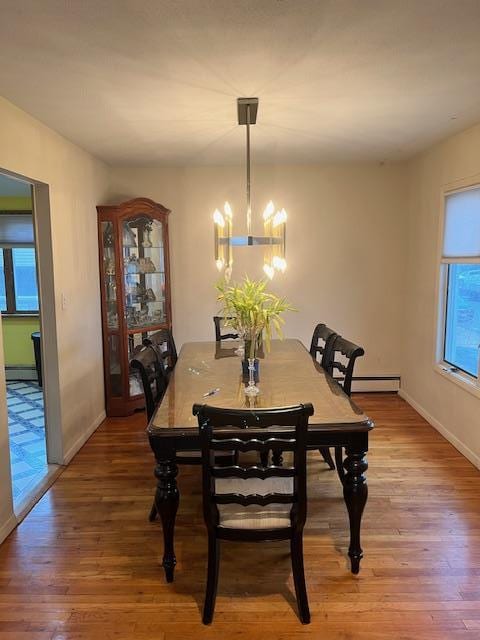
[(254, 498), (253, 444), (218, 321), (253, 472)]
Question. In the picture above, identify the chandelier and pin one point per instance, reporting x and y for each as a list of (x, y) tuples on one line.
[(274, 221)]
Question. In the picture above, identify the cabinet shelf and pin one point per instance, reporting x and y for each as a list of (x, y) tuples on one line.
[(145, 248), (149, 327), (144, 273)]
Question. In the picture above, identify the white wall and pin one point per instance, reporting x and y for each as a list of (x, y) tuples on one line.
[(77, 184), (451, 408), (345, 246)]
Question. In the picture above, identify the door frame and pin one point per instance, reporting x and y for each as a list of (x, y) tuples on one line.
[(42, 225)]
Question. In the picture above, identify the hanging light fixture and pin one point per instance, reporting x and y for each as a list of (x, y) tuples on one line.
[(274, 221)]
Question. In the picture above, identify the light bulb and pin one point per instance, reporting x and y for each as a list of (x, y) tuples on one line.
[(218, 218), (228, 210), (269, 209), (279, 218), (269, 270), (280, 264), (219, 264)]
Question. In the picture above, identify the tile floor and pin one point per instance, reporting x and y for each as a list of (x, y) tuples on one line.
[(26, 426)]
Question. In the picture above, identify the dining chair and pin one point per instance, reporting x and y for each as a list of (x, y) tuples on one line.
[(150, 369), (250, 502), (343, 357), (148, 361), (218, 322), (321, 345)]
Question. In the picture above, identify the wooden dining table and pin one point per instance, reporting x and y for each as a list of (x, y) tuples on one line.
[(287, 376)]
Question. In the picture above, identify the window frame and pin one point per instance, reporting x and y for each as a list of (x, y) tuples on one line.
[(448, 370), (11, 299)]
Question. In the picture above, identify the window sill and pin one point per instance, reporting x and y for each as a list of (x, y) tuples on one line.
[(463, 380), (35, 314)]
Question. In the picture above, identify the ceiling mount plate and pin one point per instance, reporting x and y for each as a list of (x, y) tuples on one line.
[(242, 104)]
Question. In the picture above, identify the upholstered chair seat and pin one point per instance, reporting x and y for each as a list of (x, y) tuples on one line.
[(254, 516)]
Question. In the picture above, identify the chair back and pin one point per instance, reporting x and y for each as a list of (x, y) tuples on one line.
[(164, 344), (321, 345), (218, 322), (344, 354), (150, 368), (240, 431)]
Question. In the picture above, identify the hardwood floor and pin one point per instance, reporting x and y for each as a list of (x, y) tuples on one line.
[(84, 563)]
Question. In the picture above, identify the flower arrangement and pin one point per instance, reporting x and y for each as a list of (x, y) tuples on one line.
[(252, 312)]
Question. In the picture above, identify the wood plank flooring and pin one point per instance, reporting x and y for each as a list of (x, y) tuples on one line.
[(84, 565)]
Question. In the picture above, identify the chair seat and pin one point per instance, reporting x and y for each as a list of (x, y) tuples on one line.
[(271, 516)]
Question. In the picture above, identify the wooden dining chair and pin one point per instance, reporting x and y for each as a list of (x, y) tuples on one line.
[(150, 363), (218, 322), (250, 502), (147, 364), (321, 346), (343, 357)]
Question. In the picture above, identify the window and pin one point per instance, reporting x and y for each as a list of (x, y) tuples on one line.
[(18, 281), (25, 279), (461, 278), (3, 293)]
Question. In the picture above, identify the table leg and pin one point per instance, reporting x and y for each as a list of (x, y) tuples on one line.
[(355, 492), (166, 502)]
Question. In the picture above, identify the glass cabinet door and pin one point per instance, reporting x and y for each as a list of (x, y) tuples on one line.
[(144, 282), (114, 367)]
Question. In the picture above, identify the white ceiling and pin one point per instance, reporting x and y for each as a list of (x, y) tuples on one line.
[(143, 82)]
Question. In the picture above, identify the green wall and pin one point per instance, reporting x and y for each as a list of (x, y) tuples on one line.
[(15, 203), (17, 343)]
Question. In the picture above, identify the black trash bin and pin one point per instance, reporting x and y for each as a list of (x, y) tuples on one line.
[(38, 355)]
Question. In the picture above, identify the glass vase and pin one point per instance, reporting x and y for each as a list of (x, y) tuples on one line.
[(251, 389)]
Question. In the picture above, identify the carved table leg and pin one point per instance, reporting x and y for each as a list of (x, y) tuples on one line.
[(355, 492), (166, 502)]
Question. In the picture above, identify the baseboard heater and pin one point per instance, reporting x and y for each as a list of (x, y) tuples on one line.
[(373, 384), (20, 373)]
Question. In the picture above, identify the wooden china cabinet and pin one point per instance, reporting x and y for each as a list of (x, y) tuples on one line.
[(135, 292)]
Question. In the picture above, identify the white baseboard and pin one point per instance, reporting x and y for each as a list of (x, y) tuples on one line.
[(376, 384), (21, 373), (78, 444), (458, 444), (8, 527)]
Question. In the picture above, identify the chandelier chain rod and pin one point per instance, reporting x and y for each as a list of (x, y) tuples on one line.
[(249, 205)]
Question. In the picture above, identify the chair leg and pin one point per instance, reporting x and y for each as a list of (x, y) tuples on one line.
[(153, 512), (339, 461), (296, 546), (212, 578), (327, 456), (277, 458)]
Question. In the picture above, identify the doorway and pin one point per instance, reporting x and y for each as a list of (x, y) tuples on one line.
[(20, 305)]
